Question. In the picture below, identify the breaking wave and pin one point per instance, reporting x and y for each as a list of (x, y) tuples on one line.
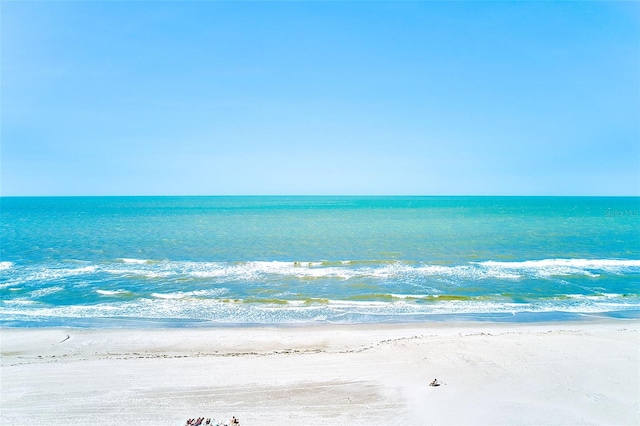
[(311, 291), (309, 270)]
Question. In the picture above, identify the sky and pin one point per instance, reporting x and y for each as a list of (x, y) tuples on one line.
[(320, 98)]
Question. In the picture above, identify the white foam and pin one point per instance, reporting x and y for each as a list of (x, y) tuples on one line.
[(560, 267), (20, 301), (600, 296), (134, 261), (337, 310), (263, 270), (112, 292), (169, 295), (6, 265), (76, 271), (46, 291), (257, 271), (46, 274), (415, 281), (147, 273), (199, 294), (412, 296)]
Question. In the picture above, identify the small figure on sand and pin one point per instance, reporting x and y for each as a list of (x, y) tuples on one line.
[(435, 383)]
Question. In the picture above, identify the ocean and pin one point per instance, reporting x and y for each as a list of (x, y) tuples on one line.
[(219, 261)]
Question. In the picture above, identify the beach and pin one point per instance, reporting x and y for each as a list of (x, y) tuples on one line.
[(369, 374), (319, 213)]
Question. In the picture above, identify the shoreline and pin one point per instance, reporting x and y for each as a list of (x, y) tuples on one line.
[(565, 372), (521, 317)]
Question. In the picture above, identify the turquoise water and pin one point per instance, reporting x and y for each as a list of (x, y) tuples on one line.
[(194, 261)]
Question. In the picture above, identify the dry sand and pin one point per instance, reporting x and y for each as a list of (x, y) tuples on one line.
[(516, 374)]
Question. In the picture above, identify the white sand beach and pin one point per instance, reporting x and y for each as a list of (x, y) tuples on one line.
[(526, 374)]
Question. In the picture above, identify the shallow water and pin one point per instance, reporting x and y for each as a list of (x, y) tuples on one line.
[(193, 261)]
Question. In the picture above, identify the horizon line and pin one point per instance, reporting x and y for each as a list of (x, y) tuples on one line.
[(321, 195)]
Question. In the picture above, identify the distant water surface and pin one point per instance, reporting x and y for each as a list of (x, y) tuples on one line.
[(197, 261)]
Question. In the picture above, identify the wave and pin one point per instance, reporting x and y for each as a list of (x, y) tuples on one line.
[(134, 261), (44, 274), (276, 271), (169, 295), (584, 263), (562, 267), (211, 293), (6, 265), (178, 306), (381, 270), (19, 301), (45, 291), (599, 296), (112, 292)]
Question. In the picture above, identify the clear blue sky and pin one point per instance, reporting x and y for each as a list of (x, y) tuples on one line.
[(425, 98)]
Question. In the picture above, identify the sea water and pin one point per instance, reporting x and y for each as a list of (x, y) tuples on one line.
[(198, 261)]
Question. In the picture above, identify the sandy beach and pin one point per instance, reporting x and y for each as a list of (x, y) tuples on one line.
[(563, 373)]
